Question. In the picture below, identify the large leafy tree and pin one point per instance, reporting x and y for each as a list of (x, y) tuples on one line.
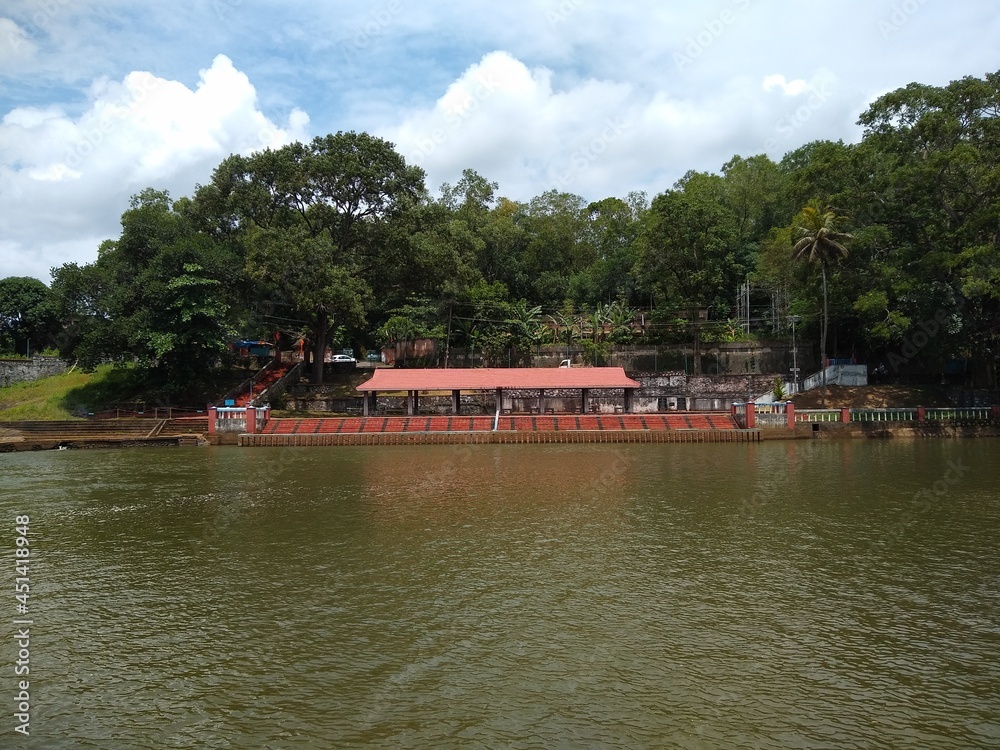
[(318, 220), (28, 319), (160, 296), (555, 250), (932, 157), (610, 233), (688, 256)]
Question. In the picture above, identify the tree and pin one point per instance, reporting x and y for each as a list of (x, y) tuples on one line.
[(610, 234), (820, 241), (27, 314), (687, 251), (318, 221), (159, 296), (932, 156)]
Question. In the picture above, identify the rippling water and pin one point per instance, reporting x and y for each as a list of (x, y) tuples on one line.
[(798, 594)]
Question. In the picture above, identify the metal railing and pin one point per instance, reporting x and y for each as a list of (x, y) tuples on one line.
[(961, 414), (275, 390), (883, 415), (817, 415)]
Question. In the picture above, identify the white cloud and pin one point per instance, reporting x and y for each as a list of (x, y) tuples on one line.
[(64, 180), (15, 45), (508, 122), (790, 88), (598, 137)]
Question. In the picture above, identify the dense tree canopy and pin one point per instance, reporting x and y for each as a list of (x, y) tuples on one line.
[(28, 320), (339, 239)]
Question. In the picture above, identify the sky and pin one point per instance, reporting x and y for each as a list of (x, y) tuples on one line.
[(100, 99)]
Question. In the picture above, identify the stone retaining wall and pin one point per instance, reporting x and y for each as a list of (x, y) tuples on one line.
[(24, 370)]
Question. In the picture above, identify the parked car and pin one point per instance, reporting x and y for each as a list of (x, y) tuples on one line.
[(342, 358)]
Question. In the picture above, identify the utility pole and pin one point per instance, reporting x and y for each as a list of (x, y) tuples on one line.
[(795, 363)]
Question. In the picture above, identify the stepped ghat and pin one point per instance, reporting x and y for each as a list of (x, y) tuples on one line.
[(102, 433)]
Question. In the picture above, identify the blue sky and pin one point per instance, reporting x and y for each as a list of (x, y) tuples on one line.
[(102, 98)]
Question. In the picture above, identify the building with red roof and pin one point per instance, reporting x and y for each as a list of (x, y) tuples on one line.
[(495, 380)]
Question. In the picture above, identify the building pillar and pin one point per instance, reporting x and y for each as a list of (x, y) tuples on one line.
[(921, 414), (499, 399), (213, 415), (628, 400), (251, 420), (369, 403), (845, 414), (456, 402), (585, 396), (541, 400), (411, 403), (790, 412), (751, 415)]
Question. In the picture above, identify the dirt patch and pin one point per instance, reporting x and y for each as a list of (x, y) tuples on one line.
[(872, 397)]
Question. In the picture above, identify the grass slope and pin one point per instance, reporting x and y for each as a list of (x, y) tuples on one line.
[(75, 394), (47, 398)]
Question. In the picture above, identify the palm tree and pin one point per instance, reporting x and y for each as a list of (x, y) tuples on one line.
[(820, 241)]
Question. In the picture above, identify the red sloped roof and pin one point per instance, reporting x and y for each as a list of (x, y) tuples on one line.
[(491, 378)]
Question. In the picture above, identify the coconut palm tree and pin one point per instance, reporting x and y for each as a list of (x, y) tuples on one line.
[(818, 240)]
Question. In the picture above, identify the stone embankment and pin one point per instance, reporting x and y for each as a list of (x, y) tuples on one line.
[(101, 433)]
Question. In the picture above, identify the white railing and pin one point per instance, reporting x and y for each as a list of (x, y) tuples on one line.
[(883, 415), (817, 415), (961, 414), (231, 419)]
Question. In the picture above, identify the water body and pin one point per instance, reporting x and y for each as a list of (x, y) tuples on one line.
[(785, 595)]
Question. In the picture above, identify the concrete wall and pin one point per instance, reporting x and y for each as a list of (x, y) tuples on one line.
[(23, 370)]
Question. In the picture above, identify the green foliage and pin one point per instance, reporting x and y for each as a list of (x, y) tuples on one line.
[(339, 235), (778, 390), (28, 315), (160, 297), (322, 224)]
